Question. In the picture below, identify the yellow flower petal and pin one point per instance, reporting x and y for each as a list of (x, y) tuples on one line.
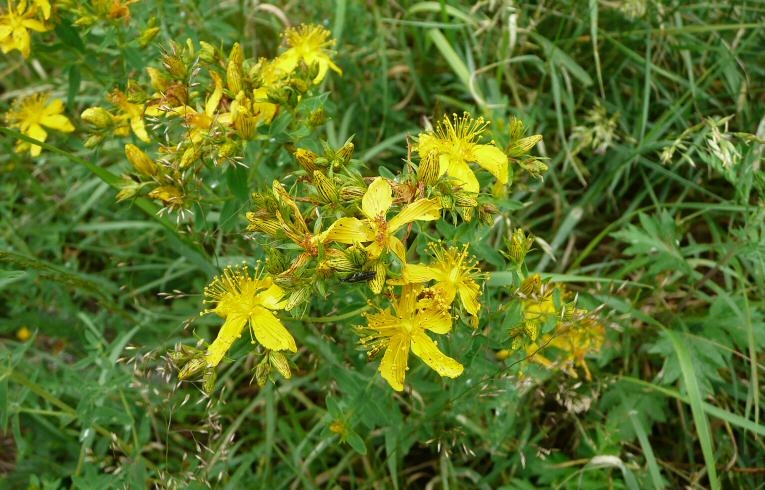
[(436, 320), (416, 273), (377, 199), (427, 350), (469, 293), (394, 362), (271, 297), (58, 122), (270, 332), (348, 230), (229, 332), (35, 25), (492, 159), (37, 132), (420, 210), (21, 41), (212, 102), (460, 170), (398, 249), (139, 128)]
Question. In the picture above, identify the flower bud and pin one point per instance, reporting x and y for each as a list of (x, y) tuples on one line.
[(262, 371), (207, 52), (522, 146), (346, 152), (261, 225), (234, 72), (520, 244), (97, 116), (148, 36), (157, 79), (376, 284), (276, 262), (228, 149), (325, 187), (208, 381), (128, 189), (166, 193), (340, 261), (306, 159), (531, 285), (516, 129), (140, 160), (94, 140), (190, 156), (280, 362), (447, 201), (175, 66), (351, 192), (429, 169), (245, 126), (357, 256), (465, 199), (193, 368)]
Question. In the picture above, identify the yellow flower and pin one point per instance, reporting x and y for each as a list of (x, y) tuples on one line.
[(133, 115), (456, 141), (576, 335), (244, 299), (16, 24), (310, 44), (403, 329), (376, 228), (31, 114), (453, 272), (575, 341)]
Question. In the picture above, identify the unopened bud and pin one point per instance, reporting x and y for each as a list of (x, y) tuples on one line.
[(175, 66), (517, 129), (325, 187), (245, 126), (208, 381), (531, 285), (234, 72), (351, 192), (522, 146), (261, 225), (190, 156), (346, 152), (297, 297), (465, 199), (306, 159), (376, 285), (148, 36), (429, 169), (520, 244), (166, 193), (140, 160), (94, 140), (262, 370), (280, 362), (207, 52), (357, 256), (97, 116), (192, 368)]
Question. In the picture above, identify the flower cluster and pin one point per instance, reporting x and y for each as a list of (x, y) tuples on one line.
[(202, 106), (326, 221), (20, 18)]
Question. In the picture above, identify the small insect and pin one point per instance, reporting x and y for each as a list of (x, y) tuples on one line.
[(360, 276)]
